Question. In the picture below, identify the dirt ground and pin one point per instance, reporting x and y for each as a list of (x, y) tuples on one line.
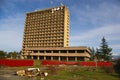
[(6, 74), (9, 74)]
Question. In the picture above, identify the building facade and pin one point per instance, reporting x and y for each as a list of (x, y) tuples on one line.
[(61, 53), (47, 28), (46, 31)]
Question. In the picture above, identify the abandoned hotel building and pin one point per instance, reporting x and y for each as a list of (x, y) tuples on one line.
[(46, 37)]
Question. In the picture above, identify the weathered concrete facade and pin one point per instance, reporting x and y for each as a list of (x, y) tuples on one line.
[(46, 36), (62, 53)]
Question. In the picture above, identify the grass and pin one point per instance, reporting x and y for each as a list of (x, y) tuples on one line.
[(70, 73), (79, 73), (74, 73)]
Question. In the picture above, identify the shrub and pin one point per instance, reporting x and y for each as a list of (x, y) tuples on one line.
[(52, 69), (108, 69), (117, 66)]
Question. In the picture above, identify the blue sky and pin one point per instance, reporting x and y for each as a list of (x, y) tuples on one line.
[(90, 20)]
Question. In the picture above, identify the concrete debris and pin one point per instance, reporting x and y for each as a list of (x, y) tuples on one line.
[(31, 72), (21, 73)]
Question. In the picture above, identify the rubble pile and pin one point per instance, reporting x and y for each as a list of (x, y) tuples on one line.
[(31, 72)]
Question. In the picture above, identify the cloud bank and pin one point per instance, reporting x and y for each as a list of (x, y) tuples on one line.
[(90, 20)]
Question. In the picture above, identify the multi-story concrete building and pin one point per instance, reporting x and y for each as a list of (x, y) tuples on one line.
[(46, 36)]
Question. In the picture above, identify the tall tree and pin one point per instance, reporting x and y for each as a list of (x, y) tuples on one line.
[(105, 50), (98, 54), (92, 53)]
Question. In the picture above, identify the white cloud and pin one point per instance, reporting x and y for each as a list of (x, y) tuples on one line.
[(11, 32), (13, 22), (103, 13), (10, 41), (90, 23), (92, 38), (107, 30)]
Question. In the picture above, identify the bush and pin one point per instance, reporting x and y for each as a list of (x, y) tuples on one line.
[(117, 66), (108, 69)]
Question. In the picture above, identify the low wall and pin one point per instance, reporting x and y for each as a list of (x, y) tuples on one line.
[(101, 63), (16, 63)]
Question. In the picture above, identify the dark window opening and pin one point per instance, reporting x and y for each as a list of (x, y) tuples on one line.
[(28, 57), (48, 51), (63, 58), (41, 51), (55, 58), (80, 58), (80, 51), (34, 57), (71, 58), (55, 51), (35, 51), (63, 51), (48, 58), (71, 51), (41, 57)]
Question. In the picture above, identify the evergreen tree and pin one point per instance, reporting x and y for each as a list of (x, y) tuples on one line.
[(98, 54), (104, 51), (92, 53)]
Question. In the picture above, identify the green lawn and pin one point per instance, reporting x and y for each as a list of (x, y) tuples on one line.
[(76, 73)]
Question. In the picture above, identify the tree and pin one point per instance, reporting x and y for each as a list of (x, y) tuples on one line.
[(2, 54), (117, 66), (13, 55), (104, 52), (98, 54), (92, 53)]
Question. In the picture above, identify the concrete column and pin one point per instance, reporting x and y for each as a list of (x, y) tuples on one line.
[(67, 58), (85, 59), (85, 51), (51, 57), (38, 58), (75, 51), (32, 57), (59, 51), (59, 58), (44, 57), (51, 51), (25, 57), (44, 52), (38, 51), (67, 51), (75, 58)]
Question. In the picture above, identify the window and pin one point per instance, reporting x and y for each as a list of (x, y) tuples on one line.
[(63, 51), (80, 51), (71, 51), (35, 51), (48, 51), (55, 51)]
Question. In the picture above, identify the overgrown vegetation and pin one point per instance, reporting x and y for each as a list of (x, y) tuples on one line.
[(79, 73), (75, 72), (117, 66), (71, 72)]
